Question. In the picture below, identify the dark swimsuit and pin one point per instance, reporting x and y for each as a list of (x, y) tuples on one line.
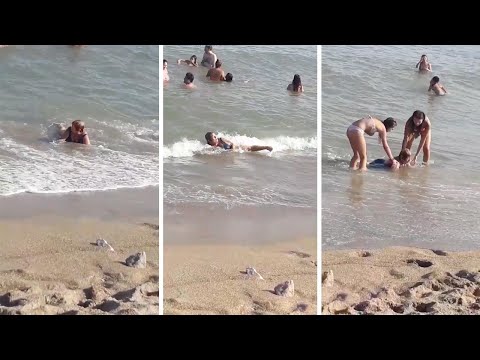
[(69, 138), (225, 145)]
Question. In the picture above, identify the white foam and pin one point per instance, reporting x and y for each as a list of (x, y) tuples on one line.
[(188, 148)]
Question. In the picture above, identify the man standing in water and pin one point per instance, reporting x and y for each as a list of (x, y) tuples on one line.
[(209, 57), (216, 74)]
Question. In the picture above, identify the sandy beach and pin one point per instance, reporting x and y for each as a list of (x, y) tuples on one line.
[(50, 262), (400, 280), (212, 280)]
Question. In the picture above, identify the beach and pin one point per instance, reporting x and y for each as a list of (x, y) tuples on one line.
[(401, 280), (51, 264), (57, 199), (227, 210)]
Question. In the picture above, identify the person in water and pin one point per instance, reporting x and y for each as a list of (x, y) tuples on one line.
[(165, 71), (437, 88), (216, 74), (418, 125), (423, 65), (229, 77), (209, 57), (76, 133), (191, 62), (356, 137), (403, 160), (188, 81), (296, 85), (223, 143)]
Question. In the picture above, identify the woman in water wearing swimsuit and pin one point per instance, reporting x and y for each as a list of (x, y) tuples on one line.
[(418, 125), (215, 141), (369, 125), (76, 133)]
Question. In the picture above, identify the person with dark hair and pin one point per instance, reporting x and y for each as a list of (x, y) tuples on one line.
[(229, 77), (296, 85), (191, 62), (165, 71), (369, 125), (225, 144), (209, 57), (403, 159), (418, 125), (423, 65), (436, 86), (216, 74), (188, 81)]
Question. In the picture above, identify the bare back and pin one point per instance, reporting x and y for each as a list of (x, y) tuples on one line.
[(216, 74), (368, 124)]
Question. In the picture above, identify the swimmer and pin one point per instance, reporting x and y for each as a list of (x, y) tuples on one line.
[(370, 126), (209, 57), (76, 133), (165, 71), (188, 81), (296, 85), (223, 143), (436, 86), (216, 74), (191, 62), (423, 65)]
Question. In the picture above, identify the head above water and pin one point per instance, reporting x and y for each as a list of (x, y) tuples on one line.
[(78, 126), (389, 123), (404, 157), (417, 117), (424, 57), (211, 138), (208, 48), (229, 77), (218, 63), (296, 82), (165, 63), (193, 59), (435, 80), (188, 78)]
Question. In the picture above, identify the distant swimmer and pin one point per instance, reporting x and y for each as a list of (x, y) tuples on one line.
[(188, 81), (418, 125), (296, 85), (223, 143), (423, 64), (209, 57), (216, 74), (403, 160), (191, 62), (76, 133), (369, 125), (165, 71), (229, 77), (436, 86)]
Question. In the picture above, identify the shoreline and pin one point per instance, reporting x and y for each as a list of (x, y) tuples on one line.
[(50, 263), (400, 280)]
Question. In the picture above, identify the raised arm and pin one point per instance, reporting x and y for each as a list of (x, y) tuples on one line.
[(444, 89)]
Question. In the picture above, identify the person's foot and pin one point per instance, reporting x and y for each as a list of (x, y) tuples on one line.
[(269, 148)]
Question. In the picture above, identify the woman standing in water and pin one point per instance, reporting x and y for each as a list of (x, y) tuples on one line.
[(418, 125), (369, 125)]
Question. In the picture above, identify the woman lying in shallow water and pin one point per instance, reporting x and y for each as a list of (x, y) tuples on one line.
[(76, 133), (223, 143)]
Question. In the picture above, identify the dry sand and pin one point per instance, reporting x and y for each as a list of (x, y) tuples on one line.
[(211, 279), (52, 265), (400, 280)]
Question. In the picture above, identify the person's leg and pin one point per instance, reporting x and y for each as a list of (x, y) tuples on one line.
[(426, 148), (355, 137), (362, 152), (259, 148)]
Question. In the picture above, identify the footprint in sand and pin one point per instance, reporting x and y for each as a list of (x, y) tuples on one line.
[(152, 226), (421, 263), (300, 254), (439, 252), (364, 254)]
